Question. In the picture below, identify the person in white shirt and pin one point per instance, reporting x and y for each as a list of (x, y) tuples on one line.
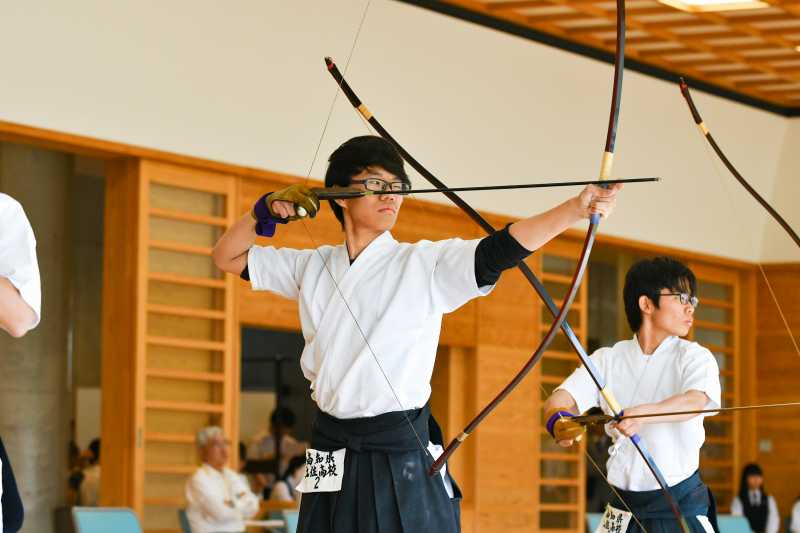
[(654, 372), (285, 489), (90, 486), (754, 503), (218, 499), (370, 313), (20, 311), (794, 523)]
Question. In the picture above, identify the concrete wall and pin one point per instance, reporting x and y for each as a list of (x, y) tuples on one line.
[(244, 82)]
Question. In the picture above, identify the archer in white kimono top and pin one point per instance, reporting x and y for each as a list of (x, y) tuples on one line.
[(675, 367), (18, 253), (397, 291)]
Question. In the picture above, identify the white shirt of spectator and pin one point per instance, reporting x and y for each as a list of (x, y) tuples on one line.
[(773, 516), (677, 366), (794, 525), (90, 486), (207, 492), (18, 253), (398, 292)]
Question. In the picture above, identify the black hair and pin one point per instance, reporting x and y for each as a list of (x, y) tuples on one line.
[(94, 447), (357, 155), (647, 277), (294, 463), (750, 469), (242, 451), (282, 416)]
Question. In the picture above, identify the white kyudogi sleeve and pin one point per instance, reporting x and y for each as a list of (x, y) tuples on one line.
[(700, 372), (453, 282), (18, 254), (277, 270), (580, 385)]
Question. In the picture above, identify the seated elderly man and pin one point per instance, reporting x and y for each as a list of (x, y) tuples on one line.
[(219, 500)]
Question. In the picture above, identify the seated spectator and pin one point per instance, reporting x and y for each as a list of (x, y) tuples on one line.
[(754, 503), (281, 426), (218, 499), (794, 524), (90, 486), (284, 488)]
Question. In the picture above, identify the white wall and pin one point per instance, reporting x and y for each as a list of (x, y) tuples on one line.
[(244, 82)]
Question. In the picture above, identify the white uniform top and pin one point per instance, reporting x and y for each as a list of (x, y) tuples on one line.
[(218, 501), (398, 293), (676, 366), (773, 516), (18, 253), (794, 525)]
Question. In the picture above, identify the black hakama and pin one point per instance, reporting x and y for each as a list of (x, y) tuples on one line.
[(654, 512), (386, 487)]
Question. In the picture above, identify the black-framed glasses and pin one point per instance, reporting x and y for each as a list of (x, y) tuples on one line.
[(685, 298), (379, 185)]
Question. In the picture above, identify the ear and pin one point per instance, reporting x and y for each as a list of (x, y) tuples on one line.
[(341, 203), (645, 305)]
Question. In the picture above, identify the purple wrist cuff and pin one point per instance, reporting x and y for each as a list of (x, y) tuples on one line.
[(265, 222), (551, 423)]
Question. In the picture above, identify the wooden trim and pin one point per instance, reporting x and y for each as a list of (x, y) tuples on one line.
[(178, 342), (179, 279), (190, 312), (170, 438), (186, 375), (182, 470), (94, 147), (165, 501), (180, 247), (189, 407), (183, 216)]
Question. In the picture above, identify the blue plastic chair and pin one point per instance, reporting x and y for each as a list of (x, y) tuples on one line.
[(291, 518), (592, 521), (733, 524), (105, 519)]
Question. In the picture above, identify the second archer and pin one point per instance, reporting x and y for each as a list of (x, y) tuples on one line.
[(371, 311)]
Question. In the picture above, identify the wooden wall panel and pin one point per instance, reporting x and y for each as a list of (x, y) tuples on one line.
[(778, 380)]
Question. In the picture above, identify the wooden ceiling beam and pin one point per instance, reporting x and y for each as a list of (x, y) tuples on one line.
[(639, 30), (513, 5), (557, 17), (731, 55), (635, 40), (679, 23), (713, 35), (755, 83), (663, 51), (781, 30), (763, 17), (593, 28), (767, 58), (746, 29), (692, 63)]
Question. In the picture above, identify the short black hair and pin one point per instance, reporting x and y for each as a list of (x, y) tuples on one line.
[(647, 277), (357, 155), (282, 416), (94, 447)]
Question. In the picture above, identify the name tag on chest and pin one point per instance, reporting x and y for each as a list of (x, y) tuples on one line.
[(614, 521), (324, 471)]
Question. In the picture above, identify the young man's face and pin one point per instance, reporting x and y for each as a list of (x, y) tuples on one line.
[(377, 212), (672, 316)]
